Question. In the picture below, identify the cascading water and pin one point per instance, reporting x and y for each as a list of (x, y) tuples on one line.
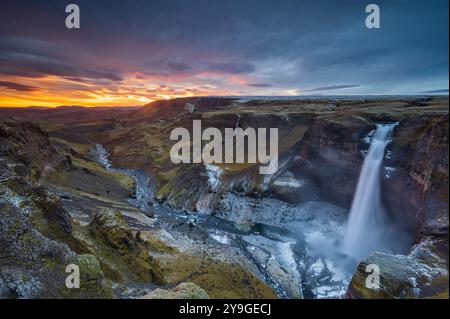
[(367, 224)]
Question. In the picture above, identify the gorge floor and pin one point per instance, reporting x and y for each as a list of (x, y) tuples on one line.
[(296, 251)]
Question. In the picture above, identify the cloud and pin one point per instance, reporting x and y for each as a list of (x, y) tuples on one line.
[(233, 47), (259, 85), (18, 86), (229, 67), (179, 66), (334, 87), (32, 65), (437, 91)]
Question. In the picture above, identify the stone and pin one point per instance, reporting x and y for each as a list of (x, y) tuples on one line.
[(400, 277), (185, 290), (90, 269)]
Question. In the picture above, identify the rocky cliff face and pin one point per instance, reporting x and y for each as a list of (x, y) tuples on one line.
[(420, 149), (417, 197), (35, 229), (322, 148), (60, 207)]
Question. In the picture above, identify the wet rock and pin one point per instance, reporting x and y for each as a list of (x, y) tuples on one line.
[(288, 280), (418, 275), (418, 193)]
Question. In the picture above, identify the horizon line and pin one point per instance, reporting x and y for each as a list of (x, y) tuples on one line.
[(249, 97)]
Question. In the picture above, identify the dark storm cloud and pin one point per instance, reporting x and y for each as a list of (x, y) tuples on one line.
[(230, 67), (18, 87), (28, 65), (197, 66), (437, 91), (334, 87), (37, 58), (179, 66), (289, 44)]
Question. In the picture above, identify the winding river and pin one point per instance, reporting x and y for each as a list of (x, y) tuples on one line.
[(297, 259)]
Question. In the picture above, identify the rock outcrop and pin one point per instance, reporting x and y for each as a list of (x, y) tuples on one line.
[(420, 274), (41, 233), (60, 207), (416, 195), (186, 290), (322, 147)]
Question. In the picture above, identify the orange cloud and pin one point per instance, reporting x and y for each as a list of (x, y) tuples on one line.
[(52, 91)]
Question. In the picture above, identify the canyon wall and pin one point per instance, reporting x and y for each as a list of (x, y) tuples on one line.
[(322, 147)]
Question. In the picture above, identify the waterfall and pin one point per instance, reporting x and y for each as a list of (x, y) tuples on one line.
[(367, 221), (238, 120)]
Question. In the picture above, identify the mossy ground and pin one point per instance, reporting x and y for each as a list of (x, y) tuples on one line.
[(219, 279)]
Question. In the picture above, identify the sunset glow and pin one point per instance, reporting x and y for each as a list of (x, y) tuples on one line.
[(131, 55), (134, 89)]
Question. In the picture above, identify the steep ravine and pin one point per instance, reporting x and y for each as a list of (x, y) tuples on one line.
[(60, 207), (320, 163), (288, 263), (224, 231)]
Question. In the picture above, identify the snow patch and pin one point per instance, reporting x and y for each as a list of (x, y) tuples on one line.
[(213, 173), (223, 239), (289, 182)]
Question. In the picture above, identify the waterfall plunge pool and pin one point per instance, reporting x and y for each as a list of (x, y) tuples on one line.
[(303, 251)]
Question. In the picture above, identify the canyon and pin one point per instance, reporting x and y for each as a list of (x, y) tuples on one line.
[(96, 187)]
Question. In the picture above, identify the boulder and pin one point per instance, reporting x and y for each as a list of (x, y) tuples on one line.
[(185, 290), (418, 275)]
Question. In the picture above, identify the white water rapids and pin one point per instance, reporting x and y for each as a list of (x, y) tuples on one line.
[(367, 221)]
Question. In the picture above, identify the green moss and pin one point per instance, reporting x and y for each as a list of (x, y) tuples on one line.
[(52, 264), (78, 147), (154, 244), (92, 281), (89, 267), (121, 255), (95, 168), (186, 290), (164, 191), (29, 239), (164, 177), (219, 279)]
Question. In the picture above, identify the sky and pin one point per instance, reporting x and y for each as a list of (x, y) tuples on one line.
[(137, 51)]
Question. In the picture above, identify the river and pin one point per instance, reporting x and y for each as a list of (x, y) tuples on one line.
[(295, 253)]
